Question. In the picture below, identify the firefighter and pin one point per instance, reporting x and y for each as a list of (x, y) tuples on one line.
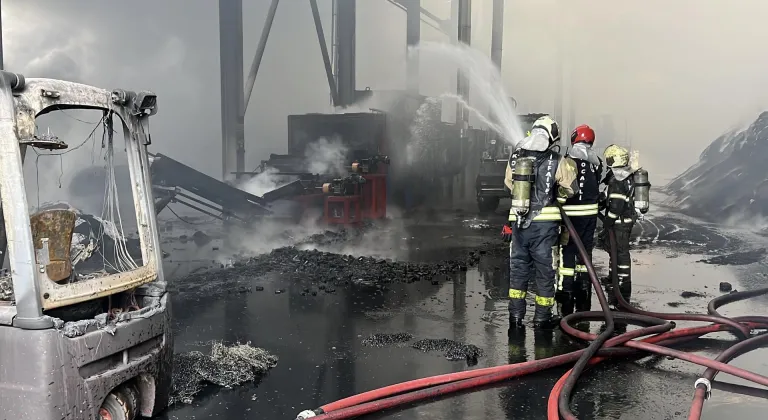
[(574, 289), (537, 176), (626, 194)]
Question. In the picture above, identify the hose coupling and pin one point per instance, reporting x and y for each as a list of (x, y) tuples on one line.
[(707, 385), (306, 414)]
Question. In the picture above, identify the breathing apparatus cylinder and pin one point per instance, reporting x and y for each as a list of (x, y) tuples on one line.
[(523, 179), (642, 190)]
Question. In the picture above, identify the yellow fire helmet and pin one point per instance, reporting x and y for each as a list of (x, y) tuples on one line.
[(616, 156), (550, 126)]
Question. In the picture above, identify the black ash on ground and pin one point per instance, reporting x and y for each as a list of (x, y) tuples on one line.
[(737, 258), (384, 340), (338, 269)]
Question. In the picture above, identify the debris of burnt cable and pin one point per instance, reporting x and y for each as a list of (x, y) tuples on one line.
[(226, 366), (453, 350)]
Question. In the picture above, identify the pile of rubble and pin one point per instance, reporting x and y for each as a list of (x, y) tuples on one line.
[(338, 269)]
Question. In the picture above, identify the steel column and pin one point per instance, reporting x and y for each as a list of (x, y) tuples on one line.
[(346, 16), (462, 84), (497, 32), (232, 95), (412, 38)]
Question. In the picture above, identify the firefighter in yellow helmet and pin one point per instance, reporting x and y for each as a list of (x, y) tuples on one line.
[(622, 185), (537, 176)]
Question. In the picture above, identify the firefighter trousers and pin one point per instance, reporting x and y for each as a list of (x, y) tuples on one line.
[(623, 259), (573, 284), (531, 256)]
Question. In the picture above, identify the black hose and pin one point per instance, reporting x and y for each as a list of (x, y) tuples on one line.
[(719, 301), (740, 330), (591, 350)]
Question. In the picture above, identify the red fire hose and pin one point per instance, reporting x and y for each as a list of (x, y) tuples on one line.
[(656, 327)]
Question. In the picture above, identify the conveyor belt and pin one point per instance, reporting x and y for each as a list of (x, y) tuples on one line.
[(168, 172)]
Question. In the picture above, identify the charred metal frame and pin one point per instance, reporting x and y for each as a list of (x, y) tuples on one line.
[(79, 367), (34, 292)]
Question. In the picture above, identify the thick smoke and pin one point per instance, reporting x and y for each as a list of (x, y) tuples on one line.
[(613, 65)]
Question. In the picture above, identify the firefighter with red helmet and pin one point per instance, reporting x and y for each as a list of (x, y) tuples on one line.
[(574, 290), (538, 178)]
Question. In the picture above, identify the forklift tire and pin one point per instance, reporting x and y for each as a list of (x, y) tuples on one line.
[(120, 404), (487, 204)]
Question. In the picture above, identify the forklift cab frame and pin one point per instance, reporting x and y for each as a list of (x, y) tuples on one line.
[(116, 373)]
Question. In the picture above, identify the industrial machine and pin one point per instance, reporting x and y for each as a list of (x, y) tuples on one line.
[(115, 366), (334, 164), (489, 183)]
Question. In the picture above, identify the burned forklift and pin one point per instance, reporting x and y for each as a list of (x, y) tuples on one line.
[(489, 184), (116, 365)]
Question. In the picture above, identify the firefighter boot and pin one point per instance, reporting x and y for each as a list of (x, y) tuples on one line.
[(564, 303), (516, 313), (543, 318)]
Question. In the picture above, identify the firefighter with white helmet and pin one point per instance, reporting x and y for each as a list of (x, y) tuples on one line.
[(537, 176)]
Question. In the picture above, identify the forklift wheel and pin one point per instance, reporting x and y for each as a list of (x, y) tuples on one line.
[(120, 404)]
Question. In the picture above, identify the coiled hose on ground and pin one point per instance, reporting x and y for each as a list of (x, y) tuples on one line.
[(657, 327)]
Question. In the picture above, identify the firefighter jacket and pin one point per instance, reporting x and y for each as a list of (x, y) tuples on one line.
[(619, 195), (589, 168), (554, 178)]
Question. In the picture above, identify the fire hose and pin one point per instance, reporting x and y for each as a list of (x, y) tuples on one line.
[(658, 329)]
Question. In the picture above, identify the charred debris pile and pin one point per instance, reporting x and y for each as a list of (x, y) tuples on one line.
[(339, 269), (729, 183)]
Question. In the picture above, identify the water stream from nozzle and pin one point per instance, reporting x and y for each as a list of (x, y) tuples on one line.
[(485, 81)]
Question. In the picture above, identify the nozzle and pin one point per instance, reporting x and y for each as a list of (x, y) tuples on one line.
[(15, 80)]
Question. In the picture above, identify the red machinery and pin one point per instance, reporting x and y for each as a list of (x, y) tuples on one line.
[(359, 197)]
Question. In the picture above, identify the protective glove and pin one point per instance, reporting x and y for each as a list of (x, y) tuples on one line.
[(608, 222), (602, 201), (506, 232)]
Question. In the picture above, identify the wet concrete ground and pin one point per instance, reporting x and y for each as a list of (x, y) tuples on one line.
[(319, 339)]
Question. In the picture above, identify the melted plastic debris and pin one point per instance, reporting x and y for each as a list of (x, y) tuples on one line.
[(77, 328), (72, 329), (226, 366), (383, 340), (453, 350)]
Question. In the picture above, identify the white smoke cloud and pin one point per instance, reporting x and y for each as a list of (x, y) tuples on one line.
[(327, 157), (264, 182)]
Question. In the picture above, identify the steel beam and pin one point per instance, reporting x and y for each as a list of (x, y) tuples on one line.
[(232, 96), (3, 237), (462, 84), (324, 51), (412, 39), (259, 53), (497, 32), (346, 16)]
